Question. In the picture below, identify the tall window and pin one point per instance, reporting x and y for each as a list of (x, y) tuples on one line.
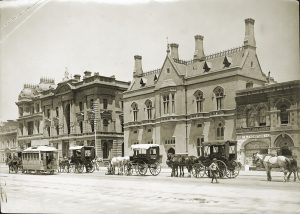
[(173, 103), (199, 100), (220, 132), (38, 126), (30, 128), (37, 107), (57, 111), (166, 103), (48, 113), (219, 93), (105, 125), (149, 109), (81, 126), (284, 115), (135, 111), (21, 129), (80, 106), (104, 103), (21, 111), (262, 116), (57, 129), (250, 118), (199, 143)]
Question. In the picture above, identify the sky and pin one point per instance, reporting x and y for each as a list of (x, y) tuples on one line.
[(43, 38)]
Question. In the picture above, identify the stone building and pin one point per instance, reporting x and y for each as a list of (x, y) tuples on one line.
[(8, 138), (185, 104), (74, 112), (268, 120)]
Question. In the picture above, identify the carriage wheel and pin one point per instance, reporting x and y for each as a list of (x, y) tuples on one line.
[(233, 169), (142, 168), (155, 168), (222, 169), (198, 170), (92, 169)]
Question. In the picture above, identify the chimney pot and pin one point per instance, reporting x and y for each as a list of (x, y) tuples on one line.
[(199, 52), (174, 50), (138, 70), (249, 33), (77, 77), (87, 73)]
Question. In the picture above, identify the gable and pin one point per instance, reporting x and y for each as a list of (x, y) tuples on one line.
[(251, 68), (62, 89), (169, 75)]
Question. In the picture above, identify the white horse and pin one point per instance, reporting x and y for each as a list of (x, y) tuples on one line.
[(119, 163), (270, 162)]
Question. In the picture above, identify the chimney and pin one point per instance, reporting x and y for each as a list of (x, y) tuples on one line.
[(199, 53), (77, 77), (174, 50), (87, 74), (249, 33), (138, 70)]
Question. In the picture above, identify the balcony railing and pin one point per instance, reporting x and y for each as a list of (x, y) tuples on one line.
[(253, 129)]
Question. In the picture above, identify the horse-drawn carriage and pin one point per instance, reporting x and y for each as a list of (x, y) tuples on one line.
[(14, 161), (226, 155), (82, 157), (145, 156)]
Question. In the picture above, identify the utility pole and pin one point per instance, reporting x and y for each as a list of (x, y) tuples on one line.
[(95, 111)]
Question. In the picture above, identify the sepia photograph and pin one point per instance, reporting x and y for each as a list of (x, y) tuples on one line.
[(149, 106)]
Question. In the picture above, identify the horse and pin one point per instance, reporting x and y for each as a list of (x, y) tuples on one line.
[(270, 161), (175, 162), (120, 163), (293, 169), (188, 162)]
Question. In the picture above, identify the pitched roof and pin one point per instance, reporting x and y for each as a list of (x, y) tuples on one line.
[(234, 57)]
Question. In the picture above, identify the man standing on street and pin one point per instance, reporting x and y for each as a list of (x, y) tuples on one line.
[(213, 170)]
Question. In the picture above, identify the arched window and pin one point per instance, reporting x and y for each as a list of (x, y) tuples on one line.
[(166, 103), (220, 132), (105, 125), (250, 118), (219, 93), (262, 116), (284, 115), (135, 111), (149, 109), (199, 100)]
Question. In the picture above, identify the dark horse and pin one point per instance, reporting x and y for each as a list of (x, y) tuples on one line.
[(179, 162)]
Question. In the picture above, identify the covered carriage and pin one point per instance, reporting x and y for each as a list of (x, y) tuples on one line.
[(82, 157), (226, 155), (144, 157)]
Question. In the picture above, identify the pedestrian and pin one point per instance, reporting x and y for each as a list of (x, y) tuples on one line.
[(213, 170)]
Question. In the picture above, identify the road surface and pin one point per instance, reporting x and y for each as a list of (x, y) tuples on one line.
[(100, 193)]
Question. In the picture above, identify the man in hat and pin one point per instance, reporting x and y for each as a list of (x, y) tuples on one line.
[(213, 170)]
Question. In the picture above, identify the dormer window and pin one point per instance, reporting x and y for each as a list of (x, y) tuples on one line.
[(249, 84), (227, 61), (143, 81), (206, 66), (155, 77)]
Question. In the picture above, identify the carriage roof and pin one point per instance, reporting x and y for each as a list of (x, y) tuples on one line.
[(80, 147), (218, 143), (40, 149), (144, 146)]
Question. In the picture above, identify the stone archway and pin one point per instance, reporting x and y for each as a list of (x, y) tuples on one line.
[(285, 144), (171, 150), (253, 147)]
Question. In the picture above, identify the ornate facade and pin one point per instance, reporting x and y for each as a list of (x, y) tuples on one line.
[(76, 111), (8, 138), (185, 104), (268, 120)]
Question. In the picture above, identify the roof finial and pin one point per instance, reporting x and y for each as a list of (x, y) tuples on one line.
[(168, 46)]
